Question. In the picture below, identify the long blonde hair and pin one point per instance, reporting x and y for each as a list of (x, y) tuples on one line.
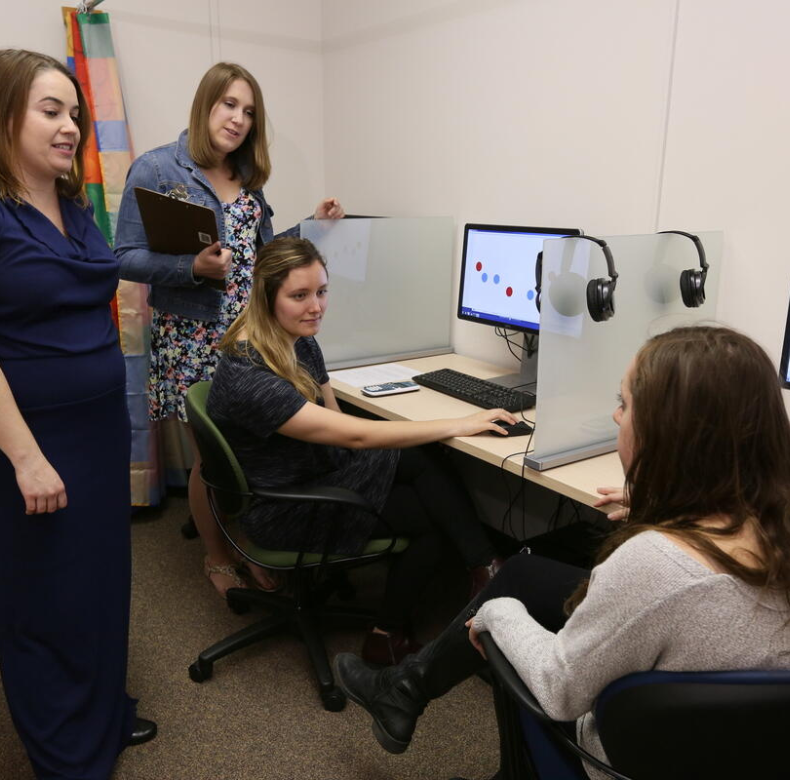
[(264, 334), (250, 162)]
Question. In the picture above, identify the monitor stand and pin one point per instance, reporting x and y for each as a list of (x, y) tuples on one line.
[(529, 370)]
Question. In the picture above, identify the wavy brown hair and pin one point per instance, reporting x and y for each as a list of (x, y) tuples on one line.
[(18, 69), (264, 334), (711, 438), (250, 162)]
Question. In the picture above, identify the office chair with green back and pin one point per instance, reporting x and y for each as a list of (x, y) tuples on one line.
[(315, 577)]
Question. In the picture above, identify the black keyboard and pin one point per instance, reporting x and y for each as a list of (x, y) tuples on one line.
[(476, 391)]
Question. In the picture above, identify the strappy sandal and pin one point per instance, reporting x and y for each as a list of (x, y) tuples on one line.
[(226, 570), (267, 581)]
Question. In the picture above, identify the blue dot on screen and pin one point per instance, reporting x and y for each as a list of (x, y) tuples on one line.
[(496, 278), (530, 295), (484, 277)]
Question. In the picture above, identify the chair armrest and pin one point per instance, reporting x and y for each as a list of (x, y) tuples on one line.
[(512, 683), (514, 686), (317, 495)]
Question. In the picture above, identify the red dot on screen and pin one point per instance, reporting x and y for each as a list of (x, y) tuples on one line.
[(509, 291), (479, 266)]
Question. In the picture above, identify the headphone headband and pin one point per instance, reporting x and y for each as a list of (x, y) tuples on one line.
[(607, 253), (703, 261)]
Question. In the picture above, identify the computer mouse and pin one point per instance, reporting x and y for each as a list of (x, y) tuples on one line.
[(521, 428)]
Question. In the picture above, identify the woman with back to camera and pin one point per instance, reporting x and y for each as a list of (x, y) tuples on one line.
[(696, 579), (65, 566), (272, 399), (221, 161)]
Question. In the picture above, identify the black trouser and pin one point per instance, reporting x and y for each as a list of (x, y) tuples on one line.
[(428, 504), (541, 584)]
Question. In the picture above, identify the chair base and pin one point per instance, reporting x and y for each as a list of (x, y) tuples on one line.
[(304, 621)]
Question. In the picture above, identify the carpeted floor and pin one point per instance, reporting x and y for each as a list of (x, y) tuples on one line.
[(259, 716)]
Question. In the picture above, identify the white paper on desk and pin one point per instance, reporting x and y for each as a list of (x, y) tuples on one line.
[(374, 375)]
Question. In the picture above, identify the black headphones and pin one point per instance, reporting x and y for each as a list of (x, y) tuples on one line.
[(692, 282), (600, 292)]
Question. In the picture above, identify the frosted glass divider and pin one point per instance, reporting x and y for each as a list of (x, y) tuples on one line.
[(580, 361), (390, 287)]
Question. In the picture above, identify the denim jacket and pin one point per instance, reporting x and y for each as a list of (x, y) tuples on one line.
[(174, 289)]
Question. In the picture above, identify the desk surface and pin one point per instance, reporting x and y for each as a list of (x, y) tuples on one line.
[(578, 481)]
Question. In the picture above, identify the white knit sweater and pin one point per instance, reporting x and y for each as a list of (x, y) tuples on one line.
[(649, 606)]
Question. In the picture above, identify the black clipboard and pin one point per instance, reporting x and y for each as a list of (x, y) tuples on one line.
[(177, 227)]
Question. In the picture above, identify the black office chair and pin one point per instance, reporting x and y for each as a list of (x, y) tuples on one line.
[(654, 725), (314, 578)]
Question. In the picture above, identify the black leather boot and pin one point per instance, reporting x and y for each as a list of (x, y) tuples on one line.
[(397, 695)]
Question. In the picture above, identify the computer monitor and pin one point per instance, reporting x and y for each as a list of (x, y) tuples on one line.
[(498, 282), (498, 274), (784, 365)]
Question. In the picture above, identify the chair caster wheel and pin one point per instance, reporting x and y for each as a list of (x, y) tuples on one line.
[(189, 529), (334, 699), (201, 671)]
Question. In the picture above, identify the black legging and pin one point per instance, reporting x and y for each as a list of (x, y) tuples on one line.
[(541, 584), (429, 505)]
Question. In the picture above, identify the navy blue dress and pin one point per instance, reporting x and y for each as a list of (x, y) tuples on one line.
[(65, 577)]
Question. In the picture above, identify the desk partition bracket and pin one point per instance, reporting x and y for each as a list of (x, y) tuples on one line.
[(552, 460)]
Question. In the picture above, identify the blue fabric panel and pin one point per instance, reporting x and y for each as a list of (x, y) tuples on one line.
[(111, 136), (551, 761), (141, 442), (136, 373), (138, 411)]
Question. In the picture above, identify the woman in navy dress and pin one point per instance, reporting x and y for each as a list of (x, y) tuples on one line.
[(65, 566)]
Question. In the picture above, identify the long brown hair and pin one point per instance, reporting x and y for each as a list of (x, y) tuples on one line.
[(264, 334), (711, 438), (250, 162), (18, 69)]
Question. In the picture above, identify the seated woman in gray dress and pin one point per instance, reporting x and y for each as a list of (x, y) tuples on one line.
[(696, 579), (272, 399)]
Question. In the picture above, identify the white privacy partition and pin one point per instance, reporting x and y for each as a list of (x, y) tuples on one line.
[(390, 288), (580, 361)]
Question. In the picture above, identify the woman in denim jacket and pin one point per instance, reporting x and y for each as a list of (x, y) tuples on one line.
[(221, 162)]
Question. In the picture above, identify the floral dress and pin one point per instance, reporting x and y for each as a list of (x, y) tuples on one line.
[(185, 351)]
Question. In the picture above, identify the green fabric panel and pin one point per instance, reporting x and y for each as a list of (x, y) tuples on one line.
[(283, 559), (96, 194), (96, 36)]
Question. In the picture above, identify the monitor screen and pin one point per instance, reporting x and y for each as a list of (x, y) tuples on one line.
[(498, 274), (784, 366)]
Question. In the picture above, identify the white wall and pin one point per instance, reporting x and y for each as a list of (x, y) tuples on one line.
[(613, 116), (163, 49)]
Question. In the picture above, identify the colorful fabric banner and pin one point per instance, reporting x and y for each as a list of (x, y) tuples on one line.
[(91, 57)]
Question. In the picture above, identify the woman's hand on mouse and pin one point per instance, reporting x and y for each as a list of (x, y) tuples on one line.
[(484, 421)]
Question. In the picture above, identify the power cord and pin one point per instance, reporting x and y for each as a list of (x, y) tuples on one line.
[(507, 517)]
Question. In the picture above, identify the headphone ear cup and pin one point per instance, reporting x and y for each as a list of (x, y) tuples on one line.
[(692, 288), (600, 300), (537, 299), (594, 299), (607, 299)]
